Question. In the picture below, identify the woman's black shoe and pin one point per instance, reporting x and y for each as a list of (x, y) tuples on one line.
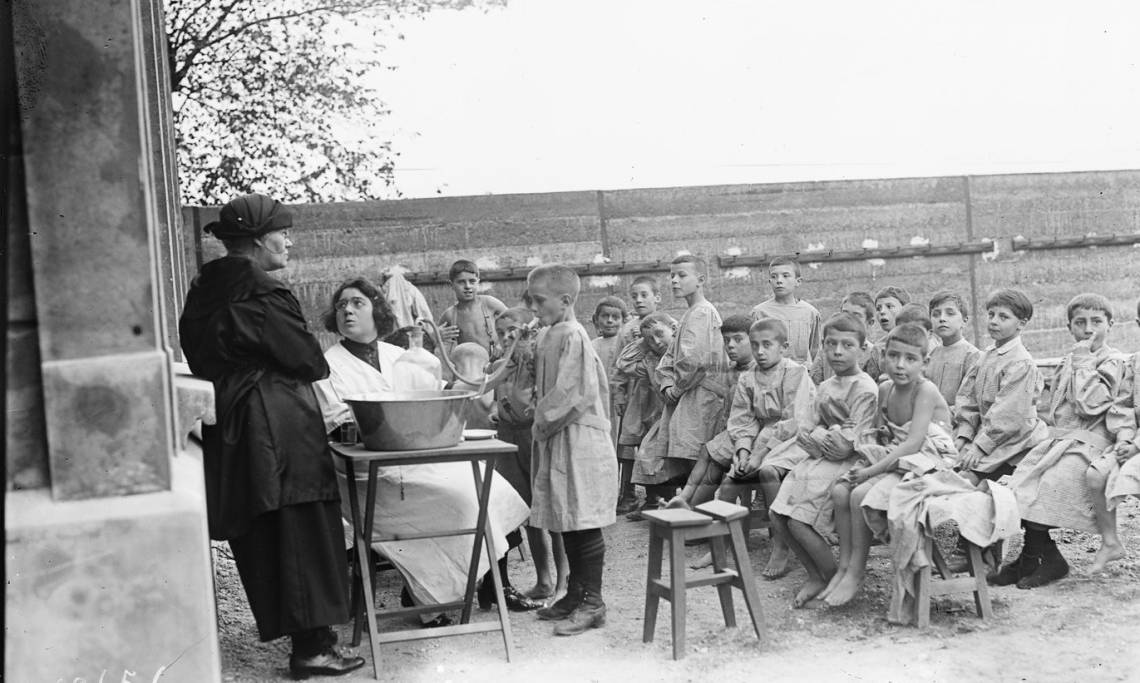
[(440, 620), (328, 663)]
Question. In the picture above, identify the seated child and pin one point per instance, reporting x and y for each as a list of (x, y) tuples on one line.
[(646, 298), (844, 408), (888, 302), (637, 400), (862, 306), (802, 319), (573, 462), (692, 384), (954, 356), (472, 318), (470, 360), (995, 421), (913, 420), (771, 403), (917, 313), (513, 416), (716, 455), (1087, 420), (1116, 474)]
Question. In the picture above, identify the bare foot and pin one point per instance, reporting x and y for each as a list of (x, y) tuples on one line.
[(701, 562), (846, 590), (1106, 553), (541, 591), (808, 591), (832, 584), (678, 502), (777, 561)]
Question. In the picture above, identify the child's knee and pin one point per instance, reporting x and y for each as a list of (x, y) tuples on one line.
[(840, 494), (1095, 478)]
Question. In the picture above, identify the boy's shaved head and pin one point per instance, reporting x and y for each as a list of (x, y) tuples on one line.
[(647, 280), (910, 334), (1092, 302), (894, 292), (560, 279), (469, 352), (698, 263), (518, 314), (914, 313), (774, 325), (657, 318)]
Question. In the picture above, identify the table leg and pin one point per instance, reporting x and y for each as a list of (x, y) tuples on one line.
[(363, 542), (484, 524), (354, 510)]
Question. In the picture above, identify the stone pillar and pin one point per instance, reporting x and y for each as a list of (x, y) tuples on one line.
[(109, 575)]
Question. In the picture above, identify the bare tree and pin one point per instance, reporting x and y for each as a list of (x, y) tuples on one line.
[(272, 96)]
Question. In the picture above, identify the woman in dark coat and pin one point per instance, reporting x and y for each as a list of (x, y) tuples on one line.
[(271, 489)]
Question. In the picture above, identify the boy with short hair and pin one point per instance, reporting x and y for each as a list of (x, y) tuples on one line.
[(637, 400), (996, 420), (513, 416), (573, 462), (692, 384), (770, 404), (1116, 474), (646, 298), (888, 302), (913, 420), (1087, 420), (609, 318), (862, 306), (716, 456), (951, 360), (472, 317), (844, 409), (802, 319)]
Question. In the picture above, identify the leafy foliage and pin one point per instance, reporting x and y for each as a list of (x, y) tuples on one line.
[(271, 96)]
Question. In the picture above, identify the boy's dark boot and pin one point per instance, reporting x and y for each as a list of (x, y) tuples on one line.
[(1052, 567), (564, 606), (591, 613), (1025, 564)]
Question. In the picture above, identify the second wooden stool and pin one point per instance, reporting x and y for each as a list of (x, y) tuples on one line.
[(715, 521), (926, 589)]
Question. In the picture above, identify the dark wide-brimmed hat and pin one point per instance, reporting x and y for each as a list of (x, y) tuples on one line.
[(250, 215)]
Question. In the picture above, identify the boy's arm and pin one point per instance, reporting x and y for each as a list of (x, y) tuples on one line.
[(1096, 384), (742, 425), (697, 342), (923, 412), (1018, 386), (574, 389), (494, 305), (967, 412), (816, 336), (1121, 420)]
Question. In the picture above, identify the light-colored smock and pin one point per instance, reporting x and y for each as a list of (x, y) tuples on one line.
[(948, 366), (769, 407), (574, 469)]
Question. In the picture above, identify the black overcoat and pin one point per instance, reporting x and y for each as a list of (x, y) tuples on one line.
[(244, 331)]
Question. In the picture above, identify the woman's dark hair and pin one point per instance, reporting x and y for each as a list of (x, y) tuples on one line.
[(381, 312)]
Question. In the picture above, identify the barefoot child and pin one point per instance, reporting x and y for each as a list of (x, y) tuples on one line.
[(954, 357), (913, 418), (770, 404), (716, 455), (1116, 474), (1087, 419), (574, 466), (636, 399), (996, 420), (844, 408), (802, 319), (862, 306), (472, 318), (692, 384), (513, 415)]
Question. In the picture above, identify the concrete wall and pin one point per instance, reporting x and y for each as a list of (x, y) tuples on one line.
[(336, 241)]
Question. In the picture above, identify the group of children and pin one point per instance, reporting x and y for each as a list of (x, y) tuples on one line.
[(824, 419)]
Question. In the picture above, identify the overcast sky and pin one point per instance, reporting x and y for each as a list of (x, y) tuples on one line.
[(548, 95)]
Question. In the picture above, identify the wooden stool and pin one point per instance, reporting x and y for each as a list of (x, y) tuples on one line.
[(926, 590), (713, 520)]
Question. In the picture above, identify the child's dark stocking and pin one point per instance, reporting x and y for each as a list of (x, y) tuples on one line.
[(564, 606), (590, 547), (1027, 562), (627, 499)]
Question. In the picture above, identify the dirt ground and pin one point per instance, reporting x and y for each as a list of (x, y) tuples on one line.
[(1080, 628)]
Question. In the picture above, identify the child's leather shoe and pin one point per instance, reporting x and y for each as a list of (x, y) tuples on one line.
[(588, 615)]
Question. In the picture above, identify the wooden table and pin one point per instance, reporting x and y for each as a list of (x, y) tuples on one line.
[(474, 452)]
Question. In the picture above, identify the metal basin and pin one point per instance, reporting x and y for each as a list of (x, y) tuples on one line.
[(410, 420)]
